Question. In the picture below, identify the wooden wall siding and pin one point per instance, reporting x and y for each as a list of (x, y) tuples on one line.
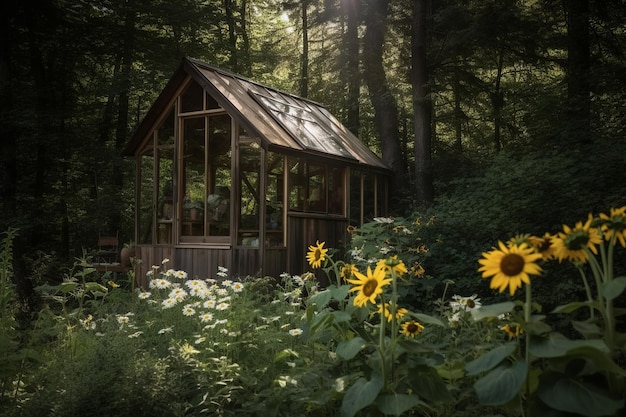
[(246, 261), (202, 262), (306, 231), (275, 262), (151, 255)]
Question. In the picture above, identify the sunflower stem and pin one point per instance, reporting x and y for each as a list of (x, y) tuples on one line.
[(527, 315), (592, 313), (381, 339)]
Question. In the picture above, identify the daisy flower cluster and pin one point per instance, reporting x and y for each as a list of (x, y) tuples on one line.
[(201, 299)]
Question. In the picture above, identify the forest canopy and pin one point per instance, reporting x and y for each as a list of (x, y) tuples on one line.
[(511, 110)]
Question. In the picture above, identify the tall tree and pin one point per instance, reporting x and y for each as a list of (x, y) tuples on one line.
[(578, 71), (350, 72), (381, 96), (422, 109)]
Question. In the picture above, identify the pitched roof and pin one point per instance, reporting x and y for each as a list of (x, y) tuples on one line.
[(284, 122)]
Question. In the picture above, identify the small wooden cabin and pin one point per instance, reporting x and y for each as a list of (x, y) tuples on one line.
[(235, 174)]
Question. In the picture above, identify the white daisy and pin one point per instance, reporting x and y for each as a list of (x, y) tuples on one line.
[(295, 332)]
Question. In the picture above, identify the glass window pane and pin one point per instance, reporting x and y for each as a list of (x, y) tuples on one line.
[(165, 195), (193, 97), (274, 198), (194, 176), (336, 191), (165, 133), (369, 198), (211, 104), (355, 198), (219, 167), (316, 188), (249, 189), (297, 184), (146, 190)]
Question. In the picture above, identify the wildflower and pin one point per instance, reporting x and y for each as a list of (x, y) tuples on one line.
[(178, 294), (513, 330), (465, 303), (400, 312), (351, 229), (316, 254), (298, 280), (509, 266), (165, 261), (392, 263), (418, 270), (135, 335), (188, 310), (195, 283), (543, 245), (411, 328), (180, 275), (143, 295), (122, 320), (368, 286), (295, 332), (222, 306), (614, 224), (222, 321), (571, 243), (160, 283), (113, 284), (199, 340), (169, 302), (237, 287), (206, 317), (166, 330), (347, 271), (210, 303), (384, 220)]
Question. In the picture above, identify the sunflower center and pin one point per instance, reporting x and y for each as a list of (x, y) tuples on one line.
[(369, 287), (512, 264), (471, 303), (317, 254), (412, 328)]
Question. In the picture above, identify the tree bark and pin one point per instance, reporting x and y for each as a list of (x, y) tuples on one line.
[(578, 72), (304, 60), (383, 101), (421, 105), (351, 73)]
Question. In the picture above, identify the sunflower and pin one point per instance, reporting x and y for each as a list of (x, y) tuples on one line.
[(543, 245), (411, 328), (570, 244), (400, 312), (615, 224), (392, 263), (351, 229), (509, 266), (513, 330), (348, 270), (368, 286), (316, 254)]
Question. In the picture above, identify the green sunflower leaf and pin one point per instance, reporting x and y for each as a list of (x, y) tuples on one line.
[(556, 345), (493, 310), (321, 299), (501, 384), (348, 349), (361, 394), (491, 359), (569, 307), (614, 288), (396, 404), (574, 396), (426, 319)]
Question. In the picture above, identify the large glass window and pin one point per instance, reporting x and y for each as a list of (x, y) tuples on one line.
[(315, 188), (206, 169)]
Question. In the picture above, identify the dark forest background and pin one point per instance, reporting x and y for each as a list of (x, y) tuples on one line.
[(497, 116)]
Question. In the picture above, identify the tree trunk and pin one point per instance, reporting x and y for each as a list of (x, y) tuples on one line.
[(385, 107), (304, 63), (232, 37), (578, 72), (351, 75), (497, 102), (421, 105), (246, 65)]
